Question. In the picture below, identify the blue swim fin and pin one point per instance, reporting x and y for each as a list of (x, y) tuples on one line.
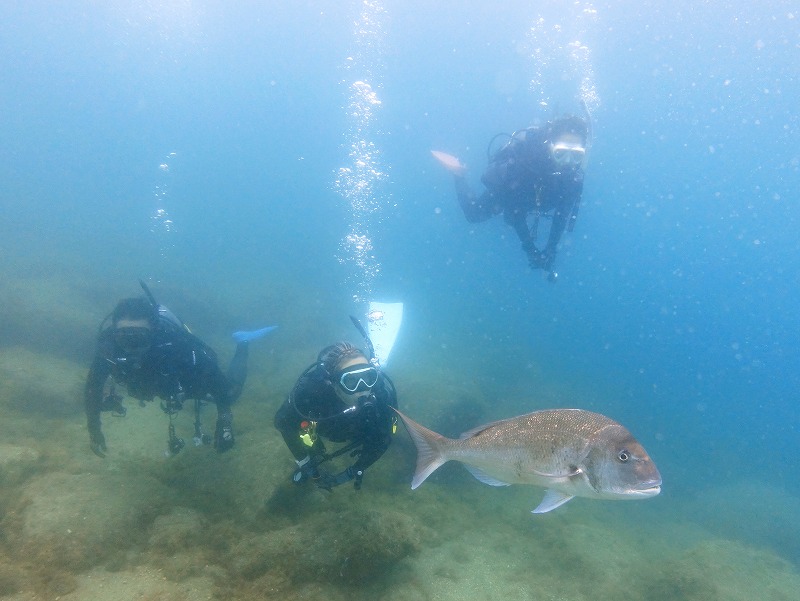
[(248, 335)]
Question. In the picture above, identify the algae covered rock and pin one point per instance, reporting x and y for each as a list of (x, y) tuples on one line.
[(76, 521), (182, 528), (141, 582), (38, 383), (349, 547), (725, 570), (16, 463)]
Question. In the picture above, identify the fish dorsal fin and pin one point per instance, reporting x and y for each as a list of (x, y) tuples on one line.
[(475, 431), (485, 478), (552, 500)]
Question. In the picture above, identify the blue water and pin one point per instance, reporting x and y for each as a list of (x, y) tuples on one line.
[(198, 145)]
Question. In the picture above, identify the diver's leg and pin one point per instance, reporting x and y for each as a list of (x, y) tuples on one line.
[(237, 371)]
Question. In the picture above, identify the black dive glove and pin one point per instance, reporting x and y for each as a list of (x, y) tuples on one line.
[(97, 442), (328, 481), (223, 435), (535, 257)]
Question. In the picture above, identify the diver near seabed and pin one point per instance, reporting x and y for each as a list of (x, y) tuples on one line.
[(539, 172), (152, 353), (345, 397)]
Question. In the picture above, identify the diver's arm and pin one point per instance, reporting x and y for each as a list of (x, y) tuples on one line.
[(520, 224), (288, 421), (93, 402), (378, 429), (372, 450), (290, 431), (556, 230), (570, 195)]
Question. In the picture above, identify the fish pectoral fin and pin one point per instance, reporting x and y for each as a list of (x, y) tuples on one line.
[(485, 478), (559, 476), (552, 500)]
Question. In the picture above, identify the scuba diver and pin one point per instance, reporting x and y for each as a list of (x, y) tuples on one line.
[(538, 172), (344, 397), (150, 352)]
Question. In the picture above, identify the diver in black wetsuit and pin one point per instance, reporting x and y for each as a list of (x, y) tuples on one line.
[(538, 172), (343, 397), (152, 353)]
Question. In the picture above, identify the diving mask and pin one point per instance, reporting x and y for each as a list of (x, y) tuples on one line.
[(133, 340), (567, 154), (358, 378)]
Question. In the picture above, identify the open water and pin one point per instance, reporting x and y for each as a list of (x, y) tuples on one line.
[(264, 163)]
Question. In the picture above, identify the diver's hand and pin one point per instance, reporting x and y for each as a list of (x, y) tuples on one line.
[(548, 256), (328, 481), (535, 257), (97, 442), (306, 469), (223, 434)]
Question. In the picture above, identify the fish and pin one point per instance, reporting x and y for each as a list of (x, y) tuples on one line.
[(569, 452)]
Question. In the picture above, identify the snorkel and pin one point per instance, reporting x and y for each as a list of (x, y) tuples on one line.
[(149, 295), (370, 349), (162, 311)]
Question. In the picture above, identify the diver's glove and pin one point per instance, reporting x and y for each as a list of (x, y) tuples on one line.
[(535, 258), (223, 434), (328, 481), (97, 442), (307, 468)]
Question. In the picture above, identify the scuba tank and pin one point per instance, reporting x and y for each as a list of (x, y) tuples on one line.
[(165, 316)]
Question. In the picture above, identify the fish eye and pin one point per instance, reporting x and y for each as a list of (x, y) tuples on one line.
[(624, 455)]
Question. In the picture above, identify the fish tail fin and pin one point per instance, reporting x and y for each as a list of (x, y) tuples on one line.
[(430, 449)]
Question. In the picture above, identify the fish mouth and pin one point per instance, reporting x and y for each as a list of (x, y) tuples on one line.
[(648, 489)]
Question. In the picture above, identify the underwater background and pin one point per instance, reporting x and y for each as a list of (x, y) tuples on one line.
[(262, 163)]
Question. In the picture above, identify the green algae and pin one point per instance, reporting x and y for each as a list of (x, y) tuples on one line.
[(205, 526)]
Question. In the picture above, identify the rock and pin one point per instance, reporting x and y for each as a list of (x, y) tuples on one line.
[(77, 521), (38, 383), (16, 463)]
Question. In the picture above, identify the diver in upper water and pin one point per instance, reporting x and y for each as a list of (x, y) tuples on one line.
[(344, 397), (538, 172), (152, 353)]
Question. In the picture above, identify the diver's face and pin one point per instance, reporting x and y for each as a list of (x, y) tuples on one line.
[(568, 150), (361, 392), (133, 336)]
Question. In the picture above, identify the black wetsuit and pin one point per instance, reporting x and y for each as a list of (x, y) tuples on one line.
[(522, 179), (178, 366), (369, 425)]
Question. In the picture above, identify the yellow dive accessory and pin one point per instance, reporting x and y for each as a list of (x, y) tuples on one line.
[(308, 433)]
